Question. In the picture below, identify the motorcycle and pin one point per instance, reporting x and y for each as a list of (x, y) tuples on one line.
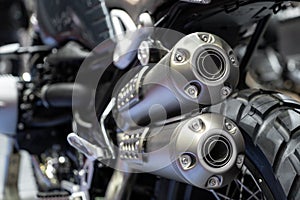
[(149, 100)]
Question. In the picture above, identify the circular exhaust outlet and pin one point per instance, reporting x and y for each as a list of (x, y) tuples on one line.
[(217, 151)]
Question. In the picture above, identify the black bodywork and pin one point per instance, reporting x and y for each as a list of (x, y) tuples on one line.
[(85, 20)]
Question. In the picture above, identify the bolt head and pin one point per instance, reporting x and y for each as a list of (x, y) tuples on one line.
[(204, 38), (192, 91), (207, 38), (196, 125), (231, 128), (228, 126), (232, 59), (213, 182), (186, 161), (226, 91), (181, 56), (240, 160)]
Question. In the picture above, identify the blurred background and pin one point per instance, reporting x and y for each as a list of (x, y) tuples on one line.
[(274, 66)]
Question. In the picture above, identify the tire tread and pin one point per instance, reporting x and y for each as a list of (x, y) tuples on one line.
[(272, 120)]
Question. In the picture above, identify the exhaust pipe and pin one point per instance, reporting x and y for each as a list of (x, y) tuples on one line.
[(204, 151), (200, 70)]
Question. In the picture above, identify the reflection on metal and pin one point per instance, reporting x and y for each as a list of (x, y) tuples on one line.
[(91, 151), (106, 112), (145, 20), (120, 20)]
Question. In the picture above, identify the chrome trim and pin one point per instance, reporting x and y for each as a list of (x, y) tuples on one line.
[(91, 151), (106, 112), (119, 17)]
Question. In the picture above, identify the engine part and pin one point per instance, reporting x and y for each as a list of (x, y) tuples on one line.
[(61, 95), (199, 71), (205, 151), (8, 104)]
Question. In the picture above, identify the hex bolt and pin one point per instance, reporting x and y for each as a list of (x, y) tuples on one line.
[(207, 38), (240, 160), (232, 59), (204, 38), (213, 182), (181, 55), (185, 161), (225, 91), (192, 91), (196, 125), (231, 128), (228, 126)]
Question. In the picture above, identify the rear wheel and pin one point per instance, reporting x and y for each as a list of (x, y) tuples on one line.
[(271, 126)]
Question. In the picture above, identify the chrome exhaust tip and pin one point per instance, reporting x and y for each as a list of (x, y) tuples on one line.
[(217, 151)]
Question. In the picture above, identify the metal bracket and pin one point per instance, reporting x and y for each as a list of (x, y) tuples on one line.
[(92, 152)]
